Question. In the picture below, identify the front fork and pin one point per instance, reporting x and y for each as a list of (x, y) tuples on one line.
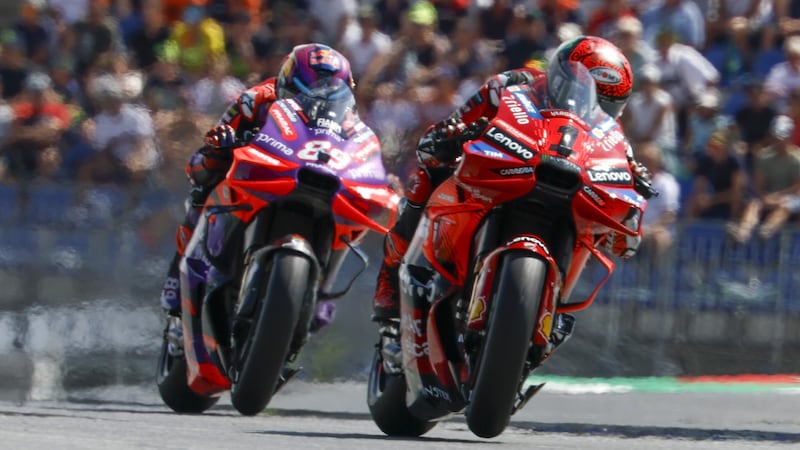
[(552, 328)]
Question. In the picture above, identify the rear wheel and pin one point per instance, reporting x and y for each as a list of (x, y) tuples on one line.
[(386, 398), (266, 348), (502, 355), (173, 383)]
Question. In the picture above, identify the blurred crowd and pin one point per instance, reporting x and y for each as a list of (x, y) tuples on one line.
[(119, 92)]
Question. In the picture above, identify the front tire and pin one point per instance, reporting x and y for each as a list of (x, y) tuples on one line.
[(386, 398), (266, 348), (173, 385), (504, 349)]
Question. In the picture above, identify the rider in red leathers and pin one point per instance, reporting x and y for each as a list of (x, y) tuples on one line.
[(440, 147), (208, 165)]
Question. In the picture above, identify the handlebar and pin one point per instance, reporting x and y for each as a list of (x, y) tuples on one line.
[(644, 187)]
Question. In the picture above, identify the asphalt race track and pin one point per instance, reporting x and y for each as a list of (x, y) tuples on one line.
[(334, 416)]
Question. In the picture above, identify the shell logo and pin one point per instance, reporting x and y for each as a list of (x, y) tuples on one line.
[(477, 310), (546, 325)]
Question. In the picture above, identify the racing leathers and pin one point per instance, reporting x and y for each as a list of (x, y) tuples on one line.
[(208, 165), (437, 154)]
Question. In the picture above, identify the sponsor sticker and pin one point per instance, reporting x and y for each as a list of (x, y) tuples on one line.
[(508, 143), (610, 175), (287, 130), (514, 171)]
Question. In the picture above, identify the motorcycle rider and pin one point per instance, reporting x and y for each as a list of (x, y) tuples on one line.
[(302, 67), (440, 146)]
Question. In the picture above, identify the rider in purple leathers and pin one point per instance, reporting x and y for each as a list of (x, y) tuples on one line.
[(304, 66)]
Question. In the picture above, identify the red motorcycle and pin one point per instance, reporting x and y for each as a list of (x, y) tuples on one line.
[(485, 286), (272, 241)]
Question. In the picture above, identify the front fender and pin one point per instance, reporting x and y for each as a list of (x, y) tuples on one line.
[(258, 263), (485, 285)]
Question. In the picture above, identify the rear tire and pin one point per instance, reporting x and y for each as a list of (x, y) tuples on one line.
[(267, 345), (386, 398), (174, 388), (501, 358)]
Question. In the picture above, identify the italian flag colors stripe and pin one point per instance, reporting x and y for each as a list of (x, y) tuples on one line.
[(788, 383)]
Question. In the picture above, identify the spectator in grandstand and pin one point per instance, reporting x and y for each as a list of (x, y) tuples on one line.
[(145, 41), (650, 116), (559, 12), (719, 183), (166, 86), (94, 35), (333, 18), (496, 20), (785, 76), (116, 64), (391, 14), (471, 55), (603, 21), (40, 119), (13, 65), (33, 37), (368, 44), (122, 135), (530, 44), (685, 73), (415, 52), (658, 223), (628, 37), (776, 185), (214, 92), (438, 98), (704, 119), (681, 17), (199, 38), (752, 120)]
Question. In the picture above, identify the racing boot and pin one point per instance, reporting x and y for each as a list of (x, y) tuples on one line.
[(386, 302), (171, 291)]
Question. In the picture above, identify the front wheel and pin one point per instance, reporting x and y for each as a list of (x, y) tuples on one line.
[(386, 399), (172, 381), (502, 354), (266, 348)]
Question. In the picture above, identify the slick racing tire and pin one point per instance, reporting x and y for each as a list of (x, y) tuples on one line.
[(501, 356), (265, 351), (174, 388), (386, 399)]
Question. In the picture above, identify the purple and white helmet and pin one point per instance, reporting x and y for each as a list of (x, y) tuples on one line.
[(307, 64)]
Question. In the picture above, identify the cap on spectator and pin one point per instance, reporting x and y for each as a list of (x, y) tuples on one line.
[(106, 87), (709, 99), (781, 127), (651, 73), (629, 24), (366, 12), (422, 13), (37, 82)]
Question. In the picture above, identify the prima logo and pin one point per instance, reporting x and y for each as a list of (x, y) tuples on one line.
[(510, 144), (274, 143)]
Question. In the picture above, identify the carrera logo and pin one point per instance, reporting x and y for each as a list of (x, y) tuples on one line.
[(509, 144), (610, 175), (605, 75), (287, 131), (514, 171), (593, 195)]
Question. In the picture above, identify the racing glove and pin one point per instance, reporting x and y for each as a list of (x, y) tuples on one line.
[(441, 145), (220, 138)]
